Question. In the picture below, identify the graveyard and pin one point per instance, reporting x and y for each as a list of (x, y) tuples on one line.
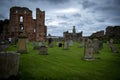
[(60, 64), (40, 46)]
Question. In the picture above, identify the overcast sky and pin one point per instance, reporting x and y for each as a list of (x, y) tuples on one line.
[(88, 16)]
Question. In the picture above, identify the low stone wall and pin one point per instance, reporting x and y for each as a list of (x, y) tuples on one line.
[(9, 64)]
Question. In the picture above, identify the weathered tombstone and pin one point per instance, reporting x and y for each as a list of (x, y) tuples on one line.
[(100, 45), (43, 49), (50, 44), (88, 50), (40, 44), (22, 45), (9, 64), (70, 43), (57, 43), (35, 46), (65, 45), (113, 47), (95, 46)]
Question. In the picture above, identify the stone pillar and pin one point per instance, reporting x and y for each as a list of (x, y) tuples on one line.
[(9, 64)]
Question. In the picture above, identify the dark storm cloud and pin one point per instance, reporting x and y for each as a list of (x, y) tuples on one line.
[(57, 1), (116, 2), (87, 3)]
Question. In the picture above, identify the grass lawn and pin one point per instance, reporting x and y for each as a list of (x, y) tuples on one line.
[(62, 64)]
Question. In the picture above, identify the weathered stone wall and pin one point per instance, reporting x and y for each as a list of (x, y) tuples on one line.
[(113, 32), (99, 35)]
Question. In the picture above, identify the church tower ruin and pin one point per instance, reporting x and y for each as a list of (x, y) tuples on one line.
[(21, 21)]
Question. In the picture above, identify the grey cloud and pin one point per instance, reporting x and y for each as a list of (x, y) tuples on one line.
[(2, 16), (57, 1), (117, 2), (87, 3), (63, 23), (62, 17), (77, 15)]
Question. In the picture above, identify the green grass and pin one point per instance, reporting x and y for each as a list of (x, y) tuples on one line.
[(62, 64)]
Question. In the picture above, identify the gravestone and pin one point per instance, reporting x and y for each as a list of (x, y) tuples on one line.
[(70, 43), (88, 50), (9, 64), (96, 46), (100, 45), (50, 44), (40, 44), (113, 48), (57, 43), (22, 45), (65, 45), (35, 46), (43, 49)]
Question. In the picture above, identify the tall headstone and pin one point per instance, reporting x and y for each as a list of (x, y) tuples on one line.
[(50, 42), (70, 43), (22, 44), (65, 45), (88, 50), (95, 46)]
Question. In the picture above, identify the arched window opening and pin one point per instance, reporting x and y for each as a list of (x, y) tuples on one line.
[(21, 18)]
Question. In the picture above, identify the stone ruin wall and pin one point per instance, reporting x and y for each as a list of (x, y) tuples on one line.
[(112, 32), (34, 29)]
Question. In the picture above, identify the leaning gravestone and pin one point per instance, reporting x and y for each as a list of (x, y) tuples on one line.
[(88, 50), (9, 64), (22, 45)]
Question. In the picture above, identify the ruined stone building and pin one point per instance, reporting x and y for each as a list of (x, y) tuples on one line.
[(73, 36), (98, 35), (21, 21), (113, 32)]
